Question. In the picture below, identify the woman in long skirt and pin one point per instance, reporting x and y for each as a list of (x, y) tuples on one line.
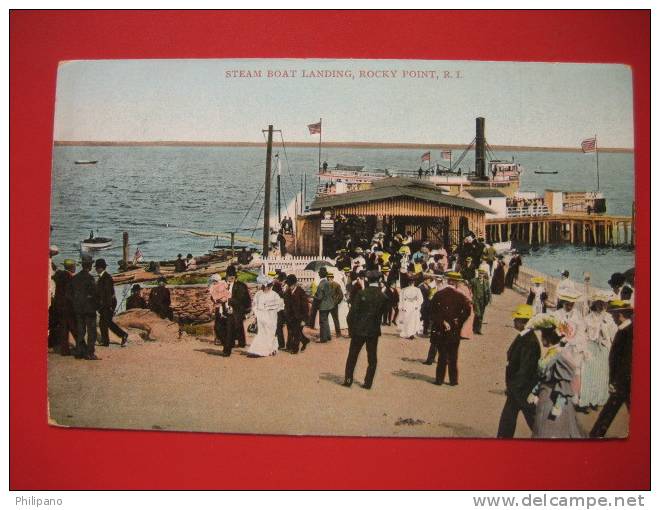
[(555, 415), (410, 304), (594, 390), (497, 283), (266, 305)]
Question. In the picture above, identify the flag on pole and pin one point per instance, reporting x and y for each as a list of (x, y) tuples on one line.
[(138, 257), (314, 129), (426, 156), (446, 155), (589, 145)]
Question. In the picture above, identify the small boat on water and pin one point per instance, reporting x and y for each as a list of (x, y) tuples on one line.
[(551, 172), (95, 243), (86, 161)]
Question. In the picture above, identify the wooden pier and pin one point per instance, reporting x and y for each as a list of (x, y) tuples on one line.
[(577, 229)]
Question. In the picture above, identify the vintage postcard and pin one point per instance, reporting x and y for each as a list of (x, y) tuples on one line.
[(343, 247)]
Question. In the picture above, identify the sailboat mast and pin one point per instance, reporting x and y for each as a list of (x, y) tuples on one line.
[(269, 156), (279, 199)]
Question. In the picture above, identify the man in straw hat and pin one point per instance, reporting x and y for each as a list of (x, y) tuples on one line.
[(449, 309), (538, 296), (620, 362), (521, 373), (62, 307)]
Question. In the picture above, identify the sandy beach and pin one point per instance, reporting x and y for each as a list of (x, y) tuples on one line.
[(166, 383)]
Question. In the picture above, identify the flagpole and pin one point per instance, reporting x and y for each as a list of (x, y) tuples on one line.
[(597, 172), (320, 136)]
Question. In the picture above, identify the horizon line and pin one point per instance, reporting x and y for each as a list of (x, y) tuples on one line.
[(364, 145)]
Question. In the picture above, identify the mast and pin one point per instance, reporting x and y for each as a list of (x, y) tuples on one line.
[(597, 174), (269, 155), (320, 135), (279, 199)]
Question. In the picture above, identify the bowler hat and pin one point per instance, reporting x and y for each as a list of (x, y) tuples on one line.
[(291, 279), (100, 264), (323, 272), (231, 271), (617, 279), (135, 287)]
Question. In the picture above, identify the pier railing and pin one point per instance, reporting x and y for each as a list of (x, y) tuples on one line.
[(524, 283), (294, 265), (527, 211)]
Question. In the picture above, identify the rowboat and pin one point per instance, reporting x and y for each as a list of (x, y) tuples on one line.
[(96, 243), (86, 161), (552, 172)]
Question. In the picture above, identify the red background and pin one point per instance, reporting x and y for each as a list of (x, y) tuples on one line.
[(50, 458)]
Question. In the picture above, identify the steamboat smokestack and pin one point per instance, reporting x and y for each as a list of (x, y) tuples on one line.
[(480, 150)]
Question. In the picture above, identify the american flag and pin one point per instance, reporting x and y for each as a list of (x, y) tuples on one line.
[(445, 155), (314, 129), (426, 156), (589, 145)]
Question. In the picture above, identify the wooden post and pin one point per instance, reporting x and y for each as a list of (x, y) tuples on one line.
[(231, 242), (125, 247), (269, 157)]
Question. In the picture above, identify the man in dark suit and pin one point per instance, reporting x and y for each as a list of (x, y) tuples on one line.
[(239, 305), (521, 374), (62, 306), (296, 310), (278, 287), (135, 300), (107, 304), (364, 320), (160, 300), (84, 297), (425, 288), (448, 310), (620, 367)]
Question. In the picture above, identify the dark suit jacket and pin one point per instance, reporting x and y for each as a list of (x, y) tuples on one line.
[(106, 291), (522, 366), (621, 360), (296, 306), (240, 300), (83, 294), (451, 306), (366, 313)]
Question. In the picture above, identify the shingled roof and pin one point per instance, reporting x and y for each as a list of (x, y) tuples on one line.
[(395, 187)]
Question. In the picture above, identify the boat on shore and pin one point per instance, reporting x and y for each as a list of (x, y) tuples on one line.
[(86, 161)]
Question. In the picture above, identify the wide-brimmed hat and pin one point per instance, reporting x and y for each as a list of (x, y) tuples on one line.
[(69, 263), (600, 296), (272, 273), (453, 275), (523, 312), (619, 305), (569, 296), (538, 279)]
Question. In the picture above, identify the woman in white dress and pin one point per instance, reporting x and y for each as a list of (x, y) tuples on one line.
[(342, 310), (410, 304), (600, 328), (266, 304)]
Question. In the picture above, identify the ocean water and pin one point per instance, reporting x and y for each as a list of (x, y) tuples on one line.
[(156, 193)]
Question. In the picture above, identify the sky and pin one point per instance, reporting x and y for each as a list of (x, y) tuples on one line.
[(528, 104)]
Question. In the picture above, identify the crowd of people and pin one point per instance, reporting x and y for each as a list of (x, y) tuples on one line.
[(575, 358), (78, 303)]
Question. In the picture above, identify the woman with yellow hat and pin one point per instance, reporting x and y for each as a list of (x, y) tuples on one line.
[(553, 396), (538, 296)]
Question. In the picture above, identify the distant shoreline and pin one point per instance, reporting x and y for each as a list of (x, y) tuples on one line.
[(354, 145)]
